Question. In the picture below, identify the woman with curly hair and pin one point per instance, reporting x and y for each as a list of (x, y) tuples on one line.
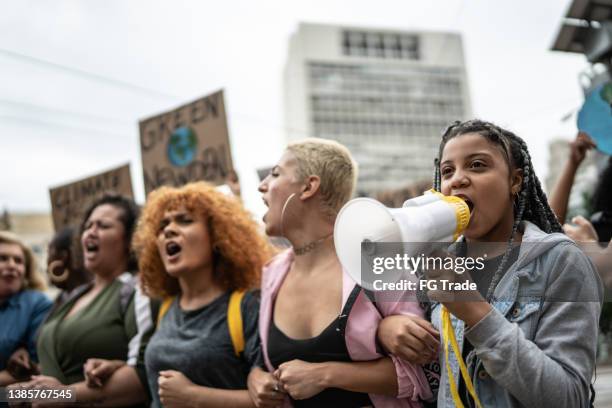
[(200, 248)]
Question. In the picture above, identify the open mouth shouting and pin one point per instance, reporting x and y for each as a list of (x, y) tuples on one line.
[(267, 206), (91, 248), (172, 250)]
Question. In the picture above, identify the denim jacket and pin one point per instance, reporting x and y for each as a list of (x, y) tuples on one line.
[(537, 346)]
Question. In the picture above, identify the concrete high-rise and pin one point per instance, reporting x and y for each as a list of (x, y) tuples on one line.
[(386, 94)]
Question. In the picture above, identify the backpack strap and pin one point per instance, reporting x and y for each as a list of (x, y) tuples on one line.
[(234, 321), (163, 309), (234, 318)]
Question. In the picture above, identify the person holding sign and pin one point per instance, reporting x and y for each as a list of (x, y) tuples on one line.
[(528, 336), (201, 252), (23, 306), (95, 341), (318, 328)]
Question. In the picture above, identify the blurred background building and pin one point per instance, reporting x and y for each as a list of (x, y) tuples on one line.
[(34, 228), (386, 95)]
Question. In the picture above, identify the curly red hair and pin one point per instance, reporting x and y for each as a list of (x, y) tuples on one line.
[(240, 249)]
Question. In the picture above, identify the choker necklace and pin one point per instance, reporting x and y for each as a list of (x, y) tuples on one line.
[(310, 246)]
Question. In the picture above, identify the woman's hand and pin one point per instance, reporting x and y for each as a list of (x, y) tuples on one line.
[(582, 231), (174, 389), (20, 366), (467, 305), (300, 379), (97, 371), (410, 338), (21, 357), (264, 389), (43, 381), (579, 147)]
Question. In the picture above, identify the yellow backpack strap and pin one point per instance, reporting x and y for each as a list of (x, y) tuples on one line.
[(234, 321), (163, 309)]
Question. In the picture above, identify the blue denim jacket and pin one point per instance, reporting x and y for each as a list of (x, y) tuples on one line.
[(537, 346), (20, 317)]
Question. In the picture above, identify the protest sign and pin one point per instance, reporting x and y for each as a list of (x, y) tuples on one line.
[(187, 144), (69, 201)]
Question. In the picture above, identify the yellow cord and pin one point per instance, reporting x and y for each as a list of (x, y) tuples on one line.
[(448, 336)]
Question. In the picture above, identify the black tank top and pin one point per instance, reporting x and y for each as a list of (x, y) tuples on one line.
[(327, 346)]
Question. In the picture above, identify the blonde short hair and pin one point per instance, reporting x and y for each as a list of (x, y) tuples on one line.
[(334, 165), (33, 279)]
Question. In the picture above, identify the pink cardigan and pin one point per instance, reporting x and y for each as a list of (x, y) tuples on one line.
[(360, 335)]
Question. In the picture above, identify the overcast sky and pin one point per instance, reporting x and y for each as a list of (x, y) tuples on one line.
[(58, 124)]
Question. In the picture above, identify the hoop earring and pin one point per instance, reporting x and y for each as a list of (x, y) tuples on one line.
[(57, 278), (282, 220)]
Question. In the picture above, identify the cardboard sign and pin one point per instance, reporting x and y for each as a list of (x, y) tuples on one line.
[(186, 144), (69, 201)]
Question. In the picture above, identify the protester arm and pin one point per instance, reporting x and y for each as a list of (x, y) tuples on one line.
[(411, 379), (123, 388), (559, 197), (139, 327), (219, 398), (372, 377), (6, 378), (557, 365)]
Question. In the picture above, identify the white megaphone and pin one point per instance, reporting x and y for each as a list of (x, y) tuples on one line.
[(432, 217)]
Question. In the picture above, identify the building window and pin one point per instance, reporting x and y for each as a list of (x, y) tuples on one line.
[(380, 45)]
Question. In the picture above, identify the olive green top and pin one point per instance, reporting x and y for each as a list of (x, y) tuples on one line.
[(115, 325)]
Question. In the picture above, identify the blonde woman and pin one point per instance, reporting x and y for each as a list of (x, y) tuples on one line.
[(318, 328), (23, 306)]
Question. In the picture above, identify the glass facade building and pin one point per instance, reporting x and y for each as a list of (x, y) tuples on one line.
[(386, 95)]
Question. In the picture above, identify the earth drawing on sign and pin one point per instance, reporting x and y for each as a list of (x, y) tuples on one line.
[(182, 146)]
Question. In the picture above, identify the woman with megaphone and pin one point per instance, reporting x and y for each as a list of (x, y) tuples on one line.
[(528, 335), (317, 327)]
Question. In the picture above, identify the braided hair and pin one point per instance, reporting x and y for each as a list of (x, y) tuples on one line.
[(530, 204)]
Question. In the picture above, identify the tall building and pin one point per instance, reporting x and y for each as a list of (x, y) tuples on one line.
[(386, 94)]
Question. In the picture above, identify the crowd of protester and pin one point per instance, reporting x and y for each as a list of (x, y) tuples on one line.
[(186, 302)]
